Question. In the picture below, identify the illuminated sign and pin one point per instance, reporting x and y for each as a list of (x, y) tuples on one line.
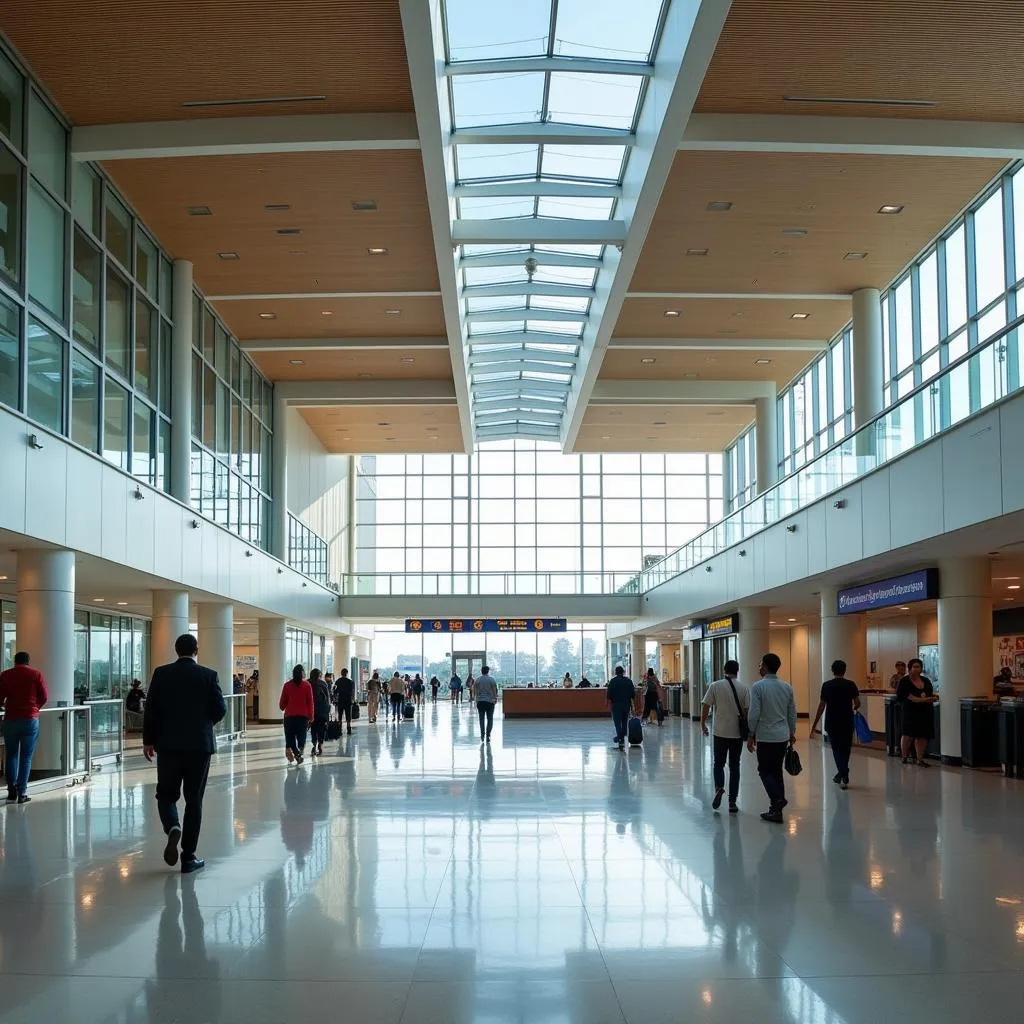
[(914, 586), (722, 627), (485, 625)]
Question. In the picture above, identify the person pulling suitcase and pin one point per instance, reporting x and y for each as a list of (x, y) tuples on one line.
[(621, 692)]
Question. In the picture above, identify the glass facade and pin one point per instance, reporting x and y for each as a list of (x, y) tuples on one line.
[(298, 648), (525, 507), (110, 651), (232, 406), (307, 551)]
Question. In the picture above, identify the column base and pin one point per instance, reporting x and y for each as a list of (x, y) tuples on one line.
[(951, 761)]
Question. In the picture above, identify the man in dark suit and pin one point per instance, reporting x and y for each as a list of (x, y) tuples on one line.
[(183, 705)]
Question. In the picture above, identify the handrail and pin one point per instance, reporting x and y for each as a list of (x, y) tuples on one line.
[(526, 583), (862, 446)]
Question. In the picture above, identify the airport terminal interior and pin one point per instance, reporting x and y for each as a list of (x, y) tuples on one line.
[(402, 338)]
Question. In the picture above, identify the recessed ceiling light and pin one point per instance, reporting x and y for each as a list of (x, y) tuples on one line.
[(429, 429), (122, 604), (856, 256), (296, 252), (696, 252), (791, 620), (762, 362), (739, 312), (904, 608), (728, 330), (718, 206), (228, 255), (390, 438), (327, 312), (277, 207), (289, 231), (658, 423), (606, 437), (794, 232), (650, 438), (891, 208), (199, 211), (716, 412), (392, 312), (614, 412), (377, 252), (365, 205), (800, 316), (691, 376), (671, 312), (407, 359), (1013, 586), (366, 375), (3, 577), (99, 600), (268, 316), (297, 362), (649, 359)]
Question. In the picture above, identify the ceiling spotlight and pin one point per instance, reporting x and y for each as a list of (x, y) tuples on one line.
[(890, 209), (606, 437), (268, 316), (800, 316), (648, 360), (856, 256), (407, 359), (377, 252), (390, 438), (99, 600), (199, 211), (296, 362), (791, 620), (696, 252), (781, 253), (718, 206), (392, 312), (122, 604), (762, 362), (671, 312), (228, 255), (1013, 586), (327, 312)]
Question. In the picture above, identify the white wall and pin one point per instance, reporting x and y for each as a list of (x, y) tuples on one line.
[(799, 648), (318, 486), (898, 639)]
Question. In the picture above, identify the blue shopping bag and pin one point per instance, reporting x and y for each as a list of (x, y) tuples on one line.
[(862, 729)]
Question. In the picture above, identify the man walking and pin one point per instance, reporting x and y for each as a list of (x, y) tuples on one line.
[(396, 691), (772, 722), (486, 698), (730, 700), (22, 694), (345, 694), (840, 698), (184, 704), (621, 692)]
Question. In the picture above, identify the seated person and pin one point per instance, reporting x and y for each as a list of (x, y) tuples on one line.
[(1003, 683), (136, 695), (583, 684)]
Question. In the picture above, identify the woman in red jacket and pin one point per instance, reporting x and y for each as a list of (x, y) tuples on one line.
[(297, 704)]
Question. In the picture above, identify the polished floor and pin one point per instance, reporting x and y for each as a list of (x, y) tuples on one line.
[(413, 876)]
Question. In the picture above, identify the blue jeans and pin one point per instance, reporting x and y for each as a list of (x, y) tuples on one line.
[(20, 738), (620, 718)]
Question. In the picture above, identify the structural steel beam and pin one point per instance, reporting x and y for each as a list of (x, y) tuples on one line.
[(513, 65), (340, 344), (538, 230)]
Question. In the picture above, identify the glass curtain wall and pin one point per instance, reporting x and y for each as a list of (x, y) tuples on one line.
[(307, 550), (525, 507), (232, 408), (7, 637), (298, 648), (110, 651), (85, 294)]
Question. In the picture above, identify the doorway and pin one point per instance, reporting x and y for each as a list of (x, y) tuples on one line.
[(468, 663)]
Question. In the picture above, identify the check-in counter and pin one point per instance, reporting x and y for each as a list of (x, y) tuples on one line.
[(523, 702)]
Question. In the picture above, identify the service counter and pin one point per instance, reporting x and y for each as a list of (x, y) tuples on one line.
[(523, 702)]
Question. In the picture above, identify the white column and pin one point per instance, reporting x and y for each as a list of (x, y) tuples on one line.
[(216, 621), (965, 642), (271, 663), (767, 438), (181, 382), (45, 618), (353, 487), (867, 363), (170, 620), (279, 482), (363, 649), (843, 637), (753, 642), (638, 657), (342, 654)]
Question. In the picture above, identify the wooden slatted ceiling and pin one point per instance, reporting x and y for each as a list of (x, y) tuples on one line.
[(963, 56), (387, 364), (108, 61), (356, 430), (705, 364), (331, 252), (685, 428), (728, 318), (834, 197), (356, 318)]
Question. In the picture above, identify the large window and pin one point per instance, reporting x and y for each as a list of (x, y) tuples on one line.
[(522, 507)]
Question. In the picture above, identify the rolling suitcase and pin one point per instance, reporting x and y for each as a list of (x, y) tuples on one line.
[(355, 710), (635, 732), (409, 711), (333, 730)]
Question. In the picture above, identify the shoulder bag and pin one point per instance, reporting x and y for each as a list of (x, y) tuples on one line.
[(741, 717)]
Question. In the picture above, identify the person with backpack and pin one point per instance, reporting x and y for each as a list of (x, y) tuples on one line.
[(344, 695), (321, 711), (772, 723), (396, 690), (730, 701), (435, 685), (297, 704), (455, 689), (621, 692)]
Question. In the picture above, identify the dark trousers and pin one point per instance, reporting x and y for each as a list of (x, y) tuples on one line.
[(842, 743), (20, 735), (620, 718), (397, 704), (486, 711), (345, 712), (318, 732), (295, 727), (769, 767), (732, 749), (180, 774)]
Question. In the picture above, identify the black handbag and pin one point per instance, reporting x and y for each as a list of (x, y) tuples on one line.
[(741, 718), (791, 762)]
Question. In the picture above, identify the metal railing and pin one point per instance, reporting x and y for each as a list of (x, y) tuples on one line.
[(975, 381), (233, 723), (106, 733), (509, 584)]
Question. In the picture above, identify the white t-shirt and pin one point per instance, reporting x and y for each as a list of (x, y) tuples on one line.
[(726, 717)]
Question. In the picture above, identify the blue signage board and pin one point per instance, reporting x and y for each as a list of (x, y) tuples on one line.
[(922, 585), (485, 625)]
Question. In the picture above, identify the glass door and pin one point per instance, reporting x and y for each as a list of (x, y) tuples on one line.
[(467, 663)]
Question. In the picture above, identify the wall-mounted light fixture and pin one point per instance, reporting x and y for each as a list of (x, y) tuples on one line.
[(279, 570), (248, 554), (194, 524), (707, 568), (137, 493), (305, 584), (34, 442), (743, 552), (841, 503), (791, 529)]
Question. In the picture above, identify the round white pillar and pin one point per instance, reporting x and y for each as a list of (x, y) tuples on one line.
[(342, 654), (279, 482), (45, 618), (362, 648), (181, 374), (753, 641), (767, 443), (273, 671), (637, 657), (216, 622), (965, 643), (843, 637), (170, 620), (867, 365)]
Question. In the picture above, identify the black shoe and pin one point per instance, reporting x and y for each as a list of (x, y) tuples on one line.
[(782, 803), (190, 864), (312, 753), (837, 778), (171, 849), (24, 799), (12, 795), (717, 802), (299, 759), (845, 784), (350, 730), (773, 816), (906, 760), (733, 809), (921, 763)]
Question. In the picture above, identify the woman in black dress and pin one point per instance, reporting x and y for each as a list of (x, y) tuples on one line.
[(916, 696)]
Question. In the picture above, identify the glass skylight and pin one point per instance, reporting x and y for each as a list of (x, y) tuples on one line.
[(485, 31), (512, 98), (599, 101), (607, 28), (498, 207), (575, 208), (584, 163), (496, 163)]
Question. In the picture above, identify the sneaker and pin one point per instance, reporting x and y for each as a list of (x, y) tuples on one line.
[(171, 849), (190, 864), (837, 778), (733, 809), (773, 816), (24, 799), (717, 802)]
